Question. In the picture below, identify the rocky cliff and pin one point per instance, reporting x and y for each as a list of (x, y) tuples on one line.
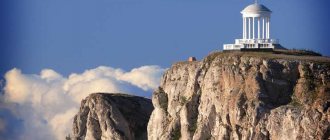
[(112, 117), (243, 95)]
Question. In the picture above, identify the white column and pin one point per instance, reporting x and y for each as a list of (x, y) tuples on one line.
[(253, 28), (263, 28), (249, 32), (268, 27), (258, 27), (244, 28)]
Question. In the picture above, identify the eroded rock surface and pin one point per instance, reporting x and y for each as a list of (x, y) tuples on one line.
[(112, 117), (243, 96)]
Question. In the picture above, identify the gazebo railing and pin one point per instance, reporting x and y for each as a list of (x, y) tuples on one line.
[(253, 41), (232, 47)]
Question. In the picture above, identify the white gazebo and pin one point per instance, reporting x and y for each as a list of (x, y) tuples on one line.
[(256, 30)]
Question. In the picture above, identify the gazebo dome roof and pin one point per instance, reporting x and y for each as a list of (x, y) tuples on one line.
[(255, 9)]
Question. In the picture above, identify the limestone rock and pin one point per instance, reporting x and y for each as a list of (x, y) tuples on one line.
[(112, 117), (233, 96)]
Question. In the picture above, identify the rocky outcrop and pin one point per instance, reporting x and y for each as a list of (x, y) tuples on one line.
[(243, 95), (112, 117)]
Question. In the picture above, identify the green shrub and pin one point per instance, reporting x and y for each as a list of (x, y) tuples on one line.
[(183, 100), (176, 134), (192, 128), (68, 137), (163, 98)]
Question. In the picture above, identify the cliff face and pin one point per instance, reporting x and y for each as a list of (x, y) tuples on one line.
[(112, 116), (243, 96)]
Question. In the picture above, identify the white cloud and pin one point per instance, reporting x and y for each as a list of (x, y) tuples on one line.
[(144, 77), (59, 120), (16, 86), (47, 102)]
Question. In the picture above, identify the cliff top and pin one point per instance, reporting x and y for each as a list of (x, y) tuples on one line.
[(293, 55), (280, 54), (95, 95)]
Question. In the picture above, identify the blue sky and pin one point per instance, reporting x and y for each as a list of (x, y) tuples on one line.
[(74, 35)]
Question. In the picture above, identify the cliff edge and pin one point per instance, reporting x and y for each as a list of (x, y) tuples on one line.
[(243, 95)]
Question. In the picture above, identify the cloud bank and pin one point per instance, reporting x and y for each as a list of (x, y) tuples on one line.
[(46, 103)]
